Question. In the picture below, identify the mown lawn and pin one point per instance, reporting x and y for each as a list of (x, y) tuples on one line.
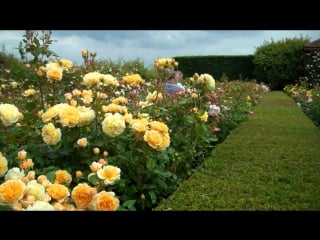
[(270, 162)]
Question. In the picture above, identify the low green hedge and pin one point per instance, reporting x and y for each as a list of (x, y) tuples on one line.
[(270, 162)]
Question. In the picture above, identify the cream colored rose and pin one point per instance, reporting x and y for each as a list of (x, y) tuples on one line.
[(82, 142), (36, 189), (109, 80), (86, 116), (40, 206), (9, 114), (14, 174), (113, 124), (92, 79)]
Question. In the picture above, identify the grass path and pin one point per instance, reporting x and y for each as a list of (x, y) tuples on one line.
[(269, 162)]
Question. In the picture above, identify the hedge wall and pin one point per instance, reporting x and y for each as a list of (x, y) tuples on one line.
[(235, 67)]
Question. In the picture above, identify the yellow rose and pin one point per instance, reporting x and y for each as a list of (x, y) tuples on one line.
[(109, 174), (104, 201), (50, 134)]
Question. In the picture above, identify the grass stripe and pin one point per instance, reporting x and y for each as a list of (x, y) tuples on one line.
[(270, 162)]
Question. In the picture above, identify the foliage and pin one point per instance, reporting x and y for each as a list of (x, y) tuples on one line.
[(278, 63), (233, 66)]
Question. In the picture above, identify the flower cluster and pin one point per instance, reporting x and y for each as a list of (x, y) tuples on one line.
[(165, 63), (21, 190)]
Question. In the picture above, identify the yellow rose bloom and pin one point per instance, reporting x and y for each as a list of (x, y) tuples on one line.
[(84, 53), (139, 125), (134, 79), (194, 95), (82, 195), (65, 63), (155, 96), (54, 74), (3, 165), (9, 114), (50, 134), (120, 100), (113, 124), (29, 92), (11, 191), (204, 116), (104, 201), (49, 114), (62, 176), (159, 126), (128, 118), (109, 174), (156, 140), (68, 115), (58, 191)]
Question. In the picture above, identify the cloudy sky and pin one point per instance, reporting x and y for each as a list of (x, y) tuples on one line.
[(147, 45)]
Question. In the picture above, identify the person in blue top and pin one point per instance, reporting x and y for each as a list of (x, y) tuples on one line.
[(173, 86)]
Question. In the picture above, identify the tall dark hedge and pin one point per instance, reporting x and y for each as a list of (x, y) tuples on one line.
[(235, 67), (280, 63)]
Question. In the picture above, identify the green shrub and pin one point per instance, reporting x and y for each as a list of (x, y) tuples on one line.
[(279, 63), (232, 66)]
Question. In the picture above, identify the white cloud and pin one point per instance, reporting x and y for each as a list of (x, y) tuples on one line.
[(147, 45)]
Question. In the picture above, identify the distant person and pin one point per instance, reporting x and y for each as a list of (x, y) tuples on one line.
[(180, 78), (173, 86)]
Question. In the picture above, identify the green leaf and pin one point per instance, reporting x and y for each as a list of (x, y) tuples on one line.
[(153, 197), (129, 204), (151, 164), (189, 119), (93, 179)]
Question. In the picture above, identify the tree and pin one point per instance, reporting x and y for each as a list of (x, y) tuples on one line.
[(279, 63)]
